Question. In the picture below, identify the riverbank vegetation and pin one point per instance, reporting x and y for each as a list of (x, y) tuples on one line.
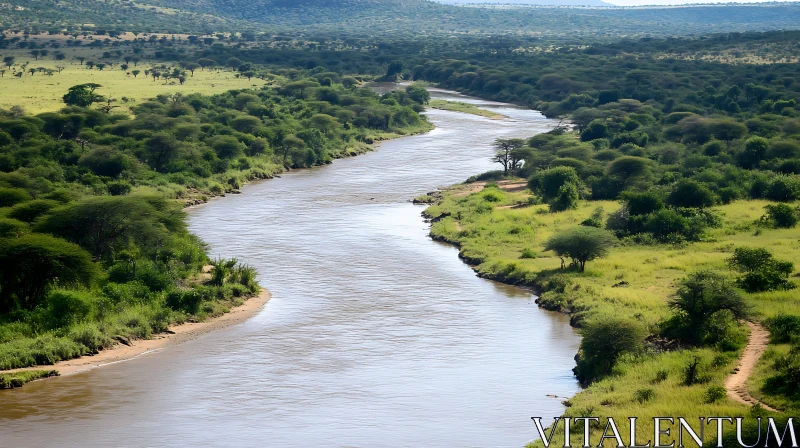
[(634, 296), (93, 242)]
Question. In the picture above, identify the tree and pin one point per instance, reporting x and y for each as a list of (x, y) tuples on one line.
[(728, 130), (628, 167), (31, 264), (82, 95), (395, 67), (12, 196), (191, 66), (503, 153), (325, 123), (227, 147), (245, 123), (9, 61), (418, 94), (780, 216), (604, 342), (35, 54), (700, 296), (762, 271), (291, 144), (567, 199), (104, 225), (547, 183), (581, 244), (135, 73), (755, 149), (690, 193), (161, 148), (206, 62)]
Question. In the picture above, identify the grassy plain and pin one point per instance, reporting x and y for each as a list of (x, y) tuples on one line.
[(42, 93), (503, 236)]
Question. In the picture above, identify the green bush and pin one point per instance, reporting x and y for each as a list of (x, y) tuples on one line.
[(780, 216), (528, 253), (604, 342), (762, 271), (714, 394), (644, 395), (90, 336), (10, 228), (68, 306), (30, 210), (783, 328)]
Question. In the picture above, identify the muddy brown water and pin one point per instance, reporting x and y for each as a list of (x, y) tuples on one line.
[(376, 336)]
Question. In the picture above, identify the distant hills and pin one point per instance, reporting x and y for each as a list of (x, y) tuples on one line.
[(530, 2), (410, 18)]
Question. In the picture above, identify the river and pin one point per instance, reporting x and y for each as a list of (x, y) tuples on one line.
[(376, 336)]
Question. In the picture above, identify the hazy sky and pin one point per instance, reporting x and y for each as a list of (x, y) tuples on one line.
[(674, 2)]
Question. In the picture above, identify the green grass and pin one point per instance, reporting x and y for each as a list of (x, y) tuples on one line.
[(457, 106), (502, 236), (41, 93), (28, 339), (18, 379)]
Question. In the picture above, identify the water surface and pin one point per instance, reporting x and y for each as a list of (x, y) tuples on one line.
[(376, 336)]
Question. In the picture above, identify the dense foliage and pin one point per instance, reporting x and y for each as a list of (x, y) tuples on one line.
[(93, 244)]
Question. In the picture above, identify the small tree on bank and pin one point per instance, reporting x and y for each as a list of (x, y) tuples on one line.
[(505, 151), (581, 244)]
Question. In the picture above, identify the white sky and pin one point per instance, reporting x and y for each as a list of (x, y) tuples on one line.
[(677, 2)]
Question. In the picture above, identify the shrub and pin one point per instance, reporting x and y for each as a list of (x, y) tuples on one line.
[(492, 196), (68, 306), (780, 216), (528, 253), (787, 376), (10, 228), (762, 272), (90, 337), (567, 198), (188, 301), (692, 194), (12, 196), (714, 394), (644, 395), (604, 342), (30, 210), (692, 375), (547, 183), (783, 328), (700, 296)]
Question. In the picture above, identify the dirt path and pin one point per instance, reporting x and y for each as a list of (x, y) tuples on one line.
[(736, 383)]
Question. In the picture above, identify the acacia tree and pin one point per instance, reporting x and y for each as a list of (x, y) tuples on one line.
[(504, 149), (699, 297), (82, 95), (581, 244), (31, 264)]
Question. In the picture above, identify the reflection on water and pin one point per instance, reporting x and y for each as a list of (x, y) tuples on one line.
[(375, 336)]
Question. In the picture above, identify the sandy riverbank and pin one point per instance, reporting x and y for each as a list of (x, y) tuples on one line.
[(176, 335)]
